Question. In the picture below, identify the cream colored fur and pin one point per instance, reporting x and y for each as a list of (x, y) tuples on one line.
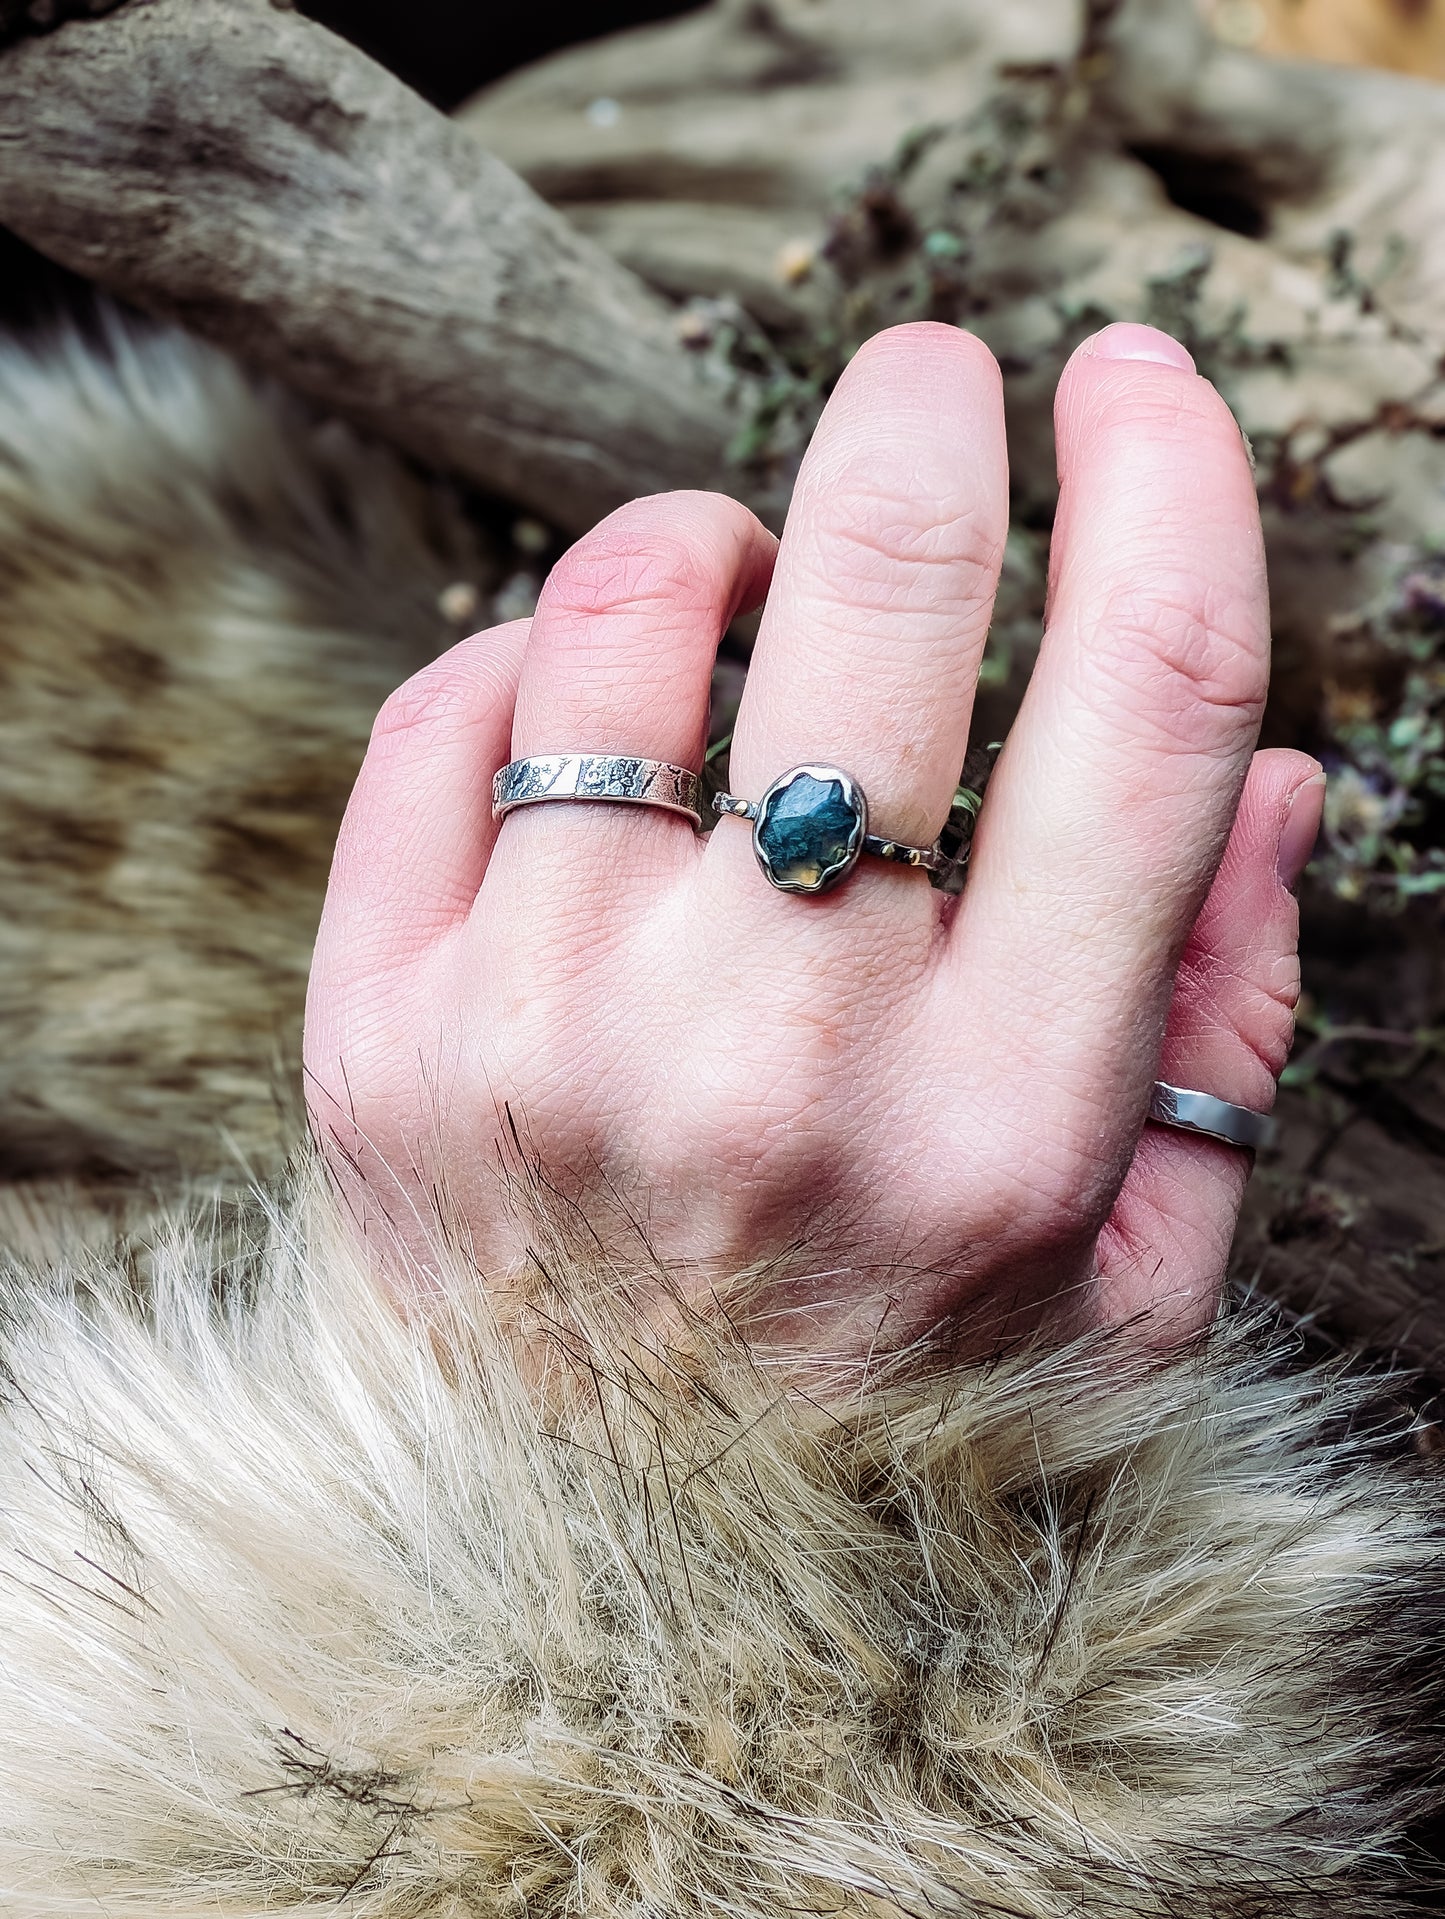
[(206, 591), (306, 1609)]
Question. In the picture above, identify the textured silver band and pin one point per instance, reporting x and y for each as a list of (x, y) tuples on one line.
[(1221, 1119), (597, 776)]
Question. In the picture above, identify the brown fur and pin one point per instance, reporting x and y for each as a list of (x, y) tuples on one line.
[(205, 593)]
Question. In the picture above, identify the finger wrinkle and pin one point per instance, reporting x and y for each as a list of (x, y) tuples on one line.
[(919, 525), (623, 574), (1146, 531), (1256, 1008), (1172, 667), (448, 698), (616, 655), (888, 632)]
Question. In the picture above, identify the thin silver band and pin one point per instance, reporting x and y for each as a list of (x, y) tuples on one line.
[(1221, 1119), (617, 777), (931, 858), (821, 844)]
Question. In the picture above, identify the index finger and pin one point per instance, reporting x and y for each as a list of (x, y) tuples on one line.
[(1112, 802)]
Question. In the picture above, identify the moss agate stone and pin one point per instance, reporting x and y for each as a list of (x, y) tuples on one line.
[(809, 829)]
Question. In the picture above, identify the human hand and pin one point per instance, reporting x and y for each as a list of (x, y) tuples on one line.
[(936, 1106)]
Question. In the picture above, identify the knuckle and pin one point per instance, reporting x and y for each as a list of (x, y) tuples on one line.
[(1188, 665), (614, 573), (1064, 1178), (1163, 421), (1065, 1199), (1252, 1007), (629, 616), (615, 605), (1268, 1035), (872, 540), (673, 554), (444, 697), (1052, 1181)]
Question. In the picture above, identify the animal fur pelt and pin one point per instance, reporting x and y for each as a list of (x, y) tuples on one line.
[(206, 591), (307, 1608)]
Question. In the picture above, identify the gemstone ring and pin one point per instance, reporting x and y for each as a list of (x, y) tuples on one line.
[(811, 828)]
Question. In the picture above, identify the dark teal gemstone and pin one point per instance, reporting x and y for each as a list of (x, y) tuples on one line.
[(809, 830)]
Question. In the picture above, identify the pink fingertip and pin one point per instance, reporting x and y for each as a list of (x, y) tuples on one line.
[(1299, 829), (1127, 340)]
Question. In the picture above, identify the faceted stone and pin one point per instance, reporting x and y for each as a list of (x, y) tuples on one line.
[(809, 831)]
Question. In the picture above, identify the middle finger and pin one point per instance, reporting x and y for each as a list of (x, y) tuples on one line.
[(868, 651)]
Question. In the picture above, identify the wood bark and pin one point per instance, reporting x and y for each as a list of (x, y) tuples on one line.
[(1322, 149), (242, 170)]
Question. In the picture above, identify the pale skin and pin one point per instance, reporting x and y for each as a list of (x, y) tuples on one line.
[(943, 1102)]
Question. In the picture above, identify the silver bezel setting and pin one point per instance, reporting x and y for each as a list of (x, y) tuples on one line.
[(853, 796)]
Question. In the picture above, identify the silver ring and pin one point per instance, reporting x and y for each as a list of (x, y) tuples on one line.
[(810, 829), (597, 776), (1221, 1119)]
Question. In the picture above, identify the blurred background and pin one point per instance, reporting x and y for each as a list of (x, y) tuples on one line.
[(446, 50)]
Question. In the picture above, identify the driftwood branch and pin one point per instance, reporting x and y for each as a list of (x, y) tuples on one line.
[(1322, 150), (242, 170)]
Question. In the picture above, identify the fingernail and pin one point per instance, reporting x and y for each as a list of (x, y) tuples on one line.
[(1126, 340), (1299, 830)]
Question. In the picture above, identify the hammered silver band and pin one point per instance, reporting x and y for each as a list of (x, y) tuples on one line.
[(616, 777), (1191, 1112)]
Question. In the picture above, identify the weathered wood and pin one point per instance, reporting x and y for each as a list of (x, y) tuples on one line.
[(1323, 150), (240, 169)]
